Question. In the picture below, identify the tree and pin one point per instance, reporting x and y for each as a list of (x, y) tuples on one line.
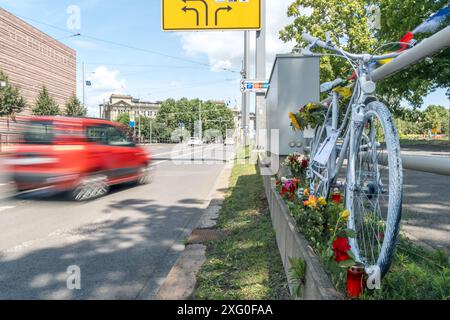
[(412, 84), (436, 118), (185, 113), (124, 119), (11, 102), (45, 104), (74, 108), (346, 20)]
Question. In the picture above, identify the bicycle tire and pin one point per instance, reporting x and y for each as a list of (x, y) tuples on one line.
[(366, 192)]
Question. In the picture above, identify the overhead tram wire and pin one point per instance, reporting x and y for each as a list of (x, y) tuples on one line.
[(194, 85), (123, 45)]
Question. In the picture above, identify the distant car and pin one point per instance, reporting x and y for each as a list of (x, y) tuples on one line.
[(80, 155), (195, 142), (229, 142)]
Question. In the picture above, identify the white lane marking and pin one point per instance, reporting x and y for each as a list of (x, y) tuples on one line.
[(6, 208), (184, 155), (170, 152)]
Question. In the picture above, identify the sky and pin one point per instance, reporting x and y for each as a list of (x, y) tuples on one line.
[(125, 50)]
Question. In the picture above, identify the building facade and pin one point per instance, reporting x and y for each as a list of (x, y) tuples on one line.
[(120, 104), (31, 59)]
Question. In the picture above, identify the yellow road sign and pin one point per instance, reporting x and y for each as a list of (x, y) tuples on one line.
[(193, 15)]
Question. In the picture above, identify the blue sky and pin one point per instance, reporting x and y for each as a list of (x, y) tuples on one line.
[(193, 70)]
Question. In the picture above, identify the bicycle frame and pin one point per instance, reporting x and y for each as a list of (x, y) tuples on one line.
[(363, 183)]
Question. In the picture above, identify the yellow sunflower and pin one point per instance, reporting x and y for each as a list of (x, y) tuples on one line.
[(294, 120)]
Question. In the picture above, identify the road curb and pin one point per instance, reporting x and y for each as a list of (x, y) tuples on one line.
[(182, 279)]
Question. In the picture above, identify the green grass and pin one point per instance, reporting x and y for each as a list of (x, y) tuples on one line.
[(246, 265), (416, 274), (410, 142)]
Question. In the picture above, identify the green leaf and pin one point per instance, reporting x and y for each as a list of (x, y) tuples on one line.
[(350, 233), (347, 263)]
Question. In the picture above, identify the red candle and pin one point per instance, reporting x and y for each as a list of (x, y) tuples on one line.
[(355, 282), (336, 196)]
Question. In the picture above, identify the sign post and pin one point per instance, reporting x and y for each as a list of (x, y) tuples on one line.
[(260, 102)]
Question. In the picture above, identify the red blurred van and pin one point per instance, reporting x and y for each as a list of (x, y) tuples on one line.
[(81, 155)]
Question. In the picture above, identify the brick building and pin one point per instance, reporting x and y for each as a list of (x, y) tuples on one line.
[(32, 59)]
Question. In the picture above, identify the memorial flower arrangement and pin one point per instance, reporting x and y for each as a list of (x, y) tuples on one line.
[(309, 116), (297, 163), (322, 221)]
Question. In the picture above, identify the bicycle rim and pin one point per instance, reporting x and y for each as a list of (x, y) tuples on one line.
[(376, 197)]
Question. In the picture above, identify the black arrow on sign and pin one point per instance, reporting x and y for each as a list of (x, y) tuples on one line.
[(185, 9), (206, 8), (222, 9)]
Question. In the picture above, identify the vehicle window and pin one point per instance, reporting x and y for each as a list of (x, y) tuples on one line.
[(97, 134), (39, 133), (108, 135), (117, 137)]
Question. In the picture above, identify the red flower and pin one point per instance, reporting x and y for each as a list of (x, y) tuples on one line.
[(305, 163), (296, 183), (341, 247)]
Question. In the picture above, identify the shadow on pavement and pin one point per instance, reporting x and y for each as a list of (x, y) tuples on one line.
[(116, 257)]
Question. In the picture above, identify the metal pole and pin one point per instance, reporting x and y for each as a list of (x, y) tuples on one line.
[(245, 95), (200, 133), (151, 126), (426, 48), (261, 120), (436, 165), (139, 115), (84, 83), (448, 131)]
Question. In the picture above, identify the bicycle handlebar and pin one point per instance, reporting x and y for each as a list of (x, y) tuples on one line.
[(329, 46)]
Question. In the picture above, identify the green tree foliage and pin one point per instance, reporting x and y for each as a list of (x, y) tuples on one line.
[(186, 113), (182, 115), (74, 108), (124, 119), (436, 117), (11, 102), (158, 130), (346, 20), (45, 104), (412, 84), (416, 122)]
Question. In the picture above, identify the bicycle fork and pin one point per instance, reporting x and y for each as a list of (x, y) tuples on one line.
[(356, 125)]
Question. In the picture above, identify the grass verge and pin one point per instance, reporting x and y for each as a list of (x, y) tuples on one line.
[(246, 265), (416, 274)]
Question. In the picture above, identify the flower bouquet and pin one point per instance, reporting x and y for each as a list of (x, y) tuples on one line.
[(307, 119)]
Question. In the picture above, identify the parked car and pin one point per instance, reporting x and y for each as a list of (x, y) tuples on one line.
[(195, 142), (80, 155)]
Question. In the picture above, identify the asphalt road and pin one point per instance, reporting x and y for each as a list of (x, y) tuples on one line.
[(124, 244)]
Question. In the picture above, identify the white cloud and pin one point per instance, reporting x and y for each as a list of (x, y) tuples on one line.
[(225, 49), (104, 83)]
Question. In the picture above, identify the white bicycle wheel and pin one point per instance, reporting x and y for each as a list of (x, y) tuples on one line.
[(374, 194)]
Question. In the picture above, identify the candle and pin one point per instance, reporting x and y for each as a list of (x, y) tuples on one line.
[(355, 282), (336, 196)]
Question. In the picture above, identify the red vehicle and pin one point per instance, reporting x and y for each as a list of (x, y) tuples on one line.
[(80, 155)]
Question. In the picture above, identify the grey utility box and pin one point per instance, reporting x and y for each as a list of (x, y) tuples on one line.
[(294, 82)]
